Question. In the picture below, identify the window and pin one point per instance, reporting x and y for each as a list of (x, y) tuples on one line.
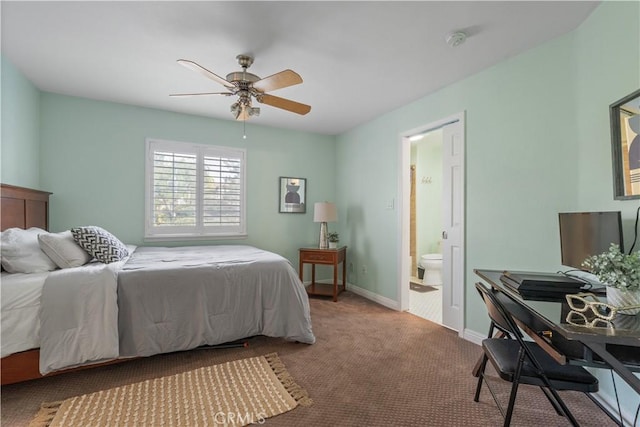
[(194, 191)]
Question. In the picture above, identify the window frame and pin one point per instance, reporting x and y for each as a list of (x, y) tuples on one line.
[(199, 231)]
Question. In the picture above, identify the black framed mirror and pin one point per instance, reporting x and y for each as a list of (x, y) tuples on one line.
[(625, 146)]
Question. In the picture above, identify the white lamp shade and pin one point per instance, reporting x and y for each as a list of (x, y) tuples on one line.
[(325, 212)]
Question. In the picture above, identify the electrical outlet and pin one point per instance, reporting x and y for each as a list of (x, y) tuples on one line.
[(364, 269), (350, 267)]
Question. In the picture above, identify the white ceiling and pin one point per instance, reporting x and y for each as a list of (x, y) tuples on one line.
[(358, 59)]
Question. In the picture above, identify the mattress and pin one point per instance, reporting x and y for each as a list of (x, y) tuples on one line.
[(20, 303)]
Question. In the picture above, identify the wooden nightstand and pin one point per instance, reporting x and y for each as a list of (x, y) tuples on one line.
[(332, 257)]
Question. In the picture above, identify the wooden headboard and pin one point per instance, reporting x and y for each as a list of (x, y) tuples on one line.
[(23, 207)]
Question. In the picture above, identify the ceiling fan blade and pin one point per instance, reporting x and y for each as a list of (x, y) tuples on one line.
[(201, 94), (278, 81), (285, 104), (208, 74)]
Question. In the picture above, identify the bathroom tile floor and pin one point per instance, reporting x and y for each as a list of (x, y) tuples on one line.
[(425, 301)]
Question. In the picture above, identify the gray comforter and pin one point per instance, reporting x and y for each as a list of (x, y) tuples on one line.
[(169, 299), (180, 298)]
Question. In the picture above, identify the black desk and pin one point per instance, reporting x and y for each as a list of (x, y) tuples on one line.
[(617, 347)]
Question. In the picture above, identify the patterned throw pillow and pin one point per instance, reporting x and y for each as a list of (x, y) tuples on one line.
[(99, 243)]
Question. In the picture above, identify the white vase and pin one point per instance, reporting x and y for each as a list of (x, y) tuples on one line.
[(623, 298), (333, 245)]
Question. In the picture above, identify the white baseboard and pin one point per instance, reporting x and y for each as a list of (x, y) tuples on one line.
[(387, 302), (473, 336)]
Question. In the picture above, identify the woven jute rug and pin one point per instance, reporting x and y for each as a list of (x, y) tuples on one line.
[(235, 393)]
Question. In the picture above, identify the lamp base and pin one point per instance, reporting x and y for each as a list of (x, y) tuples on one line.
[(324, 238)]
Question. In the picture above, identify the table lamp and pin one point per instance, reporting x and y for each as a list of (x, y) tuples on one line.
[(324, 212)]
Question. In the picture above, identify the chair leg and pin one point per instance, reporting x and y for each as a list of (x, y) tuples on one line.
[(514, 389), (512, 401), (560, 402), (480, 377), (552, 401)]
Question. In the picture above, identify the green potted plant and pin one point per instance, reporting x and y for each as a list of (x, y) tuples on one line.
[(620, 272), (333, 238)]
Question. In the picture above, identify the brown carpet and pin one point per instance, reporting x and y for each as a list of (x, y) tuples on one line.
[(370, 366)]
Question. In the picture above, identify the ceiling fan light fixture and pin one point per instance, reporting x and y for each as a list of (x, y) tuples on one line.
[(247, 86)]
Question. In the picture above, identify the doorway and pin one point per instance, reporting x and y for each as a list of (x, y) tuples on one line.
[(425, 223), (452, 223)]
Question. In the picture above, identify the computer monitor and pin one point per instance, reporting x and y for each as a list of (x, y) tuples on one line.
[(583, 234)]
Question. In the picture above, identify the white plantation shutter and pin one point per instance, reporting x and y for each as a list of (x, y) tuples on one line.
[(222, 191), (194, 190), (174, 189)]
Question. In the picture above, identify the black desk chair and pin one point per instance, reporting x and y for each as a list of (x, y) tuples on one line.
[(524, 362)]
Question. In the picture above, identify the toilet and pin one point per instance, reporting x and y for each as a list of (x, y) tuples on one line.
[(432, 264)]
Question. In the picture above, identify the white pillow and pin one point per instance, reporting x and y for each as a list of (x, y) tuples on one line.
[(21, 253), (63, 250)]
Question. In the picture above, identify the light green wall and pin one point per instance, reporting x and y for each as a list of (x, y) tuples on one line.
[(608, 70), (517, 128), (19, 148), (537, 143), (525, 153), (93, 162)]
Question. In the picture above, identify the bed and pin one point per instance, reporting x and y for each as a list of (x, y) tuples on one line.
[(156, 300)]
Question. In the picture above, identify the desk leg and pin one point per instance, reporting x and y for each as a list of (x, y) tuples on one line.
[(617, 366), (313, 278)]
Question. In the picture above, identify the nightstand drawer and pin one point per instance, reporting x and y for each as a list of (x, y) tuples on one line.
[(318, 257)]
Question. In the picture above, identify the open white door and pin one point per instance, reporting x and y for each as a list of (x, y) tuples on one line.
[(453, 226), (453, 218)]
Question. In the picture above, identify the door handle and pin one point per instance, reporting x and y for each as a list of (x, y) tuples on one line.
[(444, 235)]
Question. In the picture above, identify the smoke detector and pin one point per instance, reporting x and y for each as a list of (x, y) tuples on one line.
[(456, 38)]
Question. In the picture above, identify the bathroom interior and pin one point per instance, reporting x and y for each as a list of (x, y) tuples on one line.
[(425, 298)]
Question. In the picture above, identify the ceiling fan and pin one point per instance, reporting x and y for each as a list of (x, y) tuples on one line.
[(248, 86)]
